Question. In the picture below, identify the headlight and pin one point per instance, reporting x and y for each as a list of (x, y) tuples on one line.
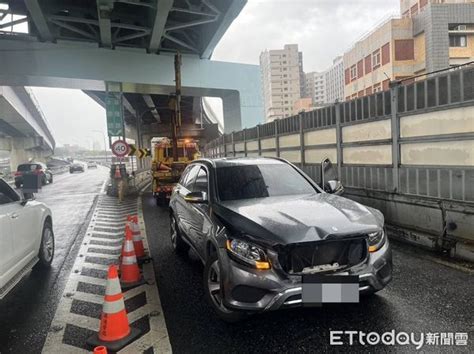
[(247, 253), (376, 240)]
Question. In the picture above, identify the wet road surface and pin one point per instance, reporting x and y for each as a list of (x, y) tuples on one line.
[(26, 313), (424, 296)]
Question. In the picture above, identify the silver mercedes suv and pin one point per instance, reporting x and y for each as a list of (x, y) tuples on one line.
[(271, 238)]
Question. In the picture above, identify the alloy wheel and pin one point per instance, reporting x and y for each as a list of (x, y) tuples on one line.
[(174, 232), (48, 245), (214, 286)]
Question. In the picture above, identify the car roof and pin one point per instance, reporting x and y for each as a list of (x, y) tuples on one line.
[(31, 163), (241, 161)]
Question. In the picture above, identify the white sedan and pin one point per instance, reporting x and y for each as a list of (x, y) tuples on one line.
[(26, 237)]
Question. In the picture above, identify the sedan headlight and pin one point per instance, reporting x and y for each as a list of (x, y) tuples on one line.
[(376, 240), (247, 253)]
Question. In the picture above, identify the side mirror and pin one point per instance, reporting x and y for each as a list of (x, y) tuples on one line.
[(334, 187), (196, 197)]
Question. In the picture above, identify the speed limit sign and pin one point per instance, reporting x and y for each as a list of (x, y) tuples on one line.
[(120, 148)]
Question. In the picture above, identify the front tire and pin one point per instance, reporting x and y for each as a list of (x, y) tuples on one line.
[(46, 251), (213, 286), (179, 246)]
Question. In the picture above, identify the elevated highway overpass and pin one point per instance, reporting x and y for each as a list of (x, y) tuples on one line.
[(24, 131), (87, 44)]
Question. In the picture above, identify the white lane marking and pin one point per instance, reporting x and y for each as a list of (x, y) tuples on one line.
[(96, 299), (158, 335), (103, 239), (69, 349), (90, 280), (96, 266), (105, 247), (103, 189), (145, 187), (116, 233), (101, 255)]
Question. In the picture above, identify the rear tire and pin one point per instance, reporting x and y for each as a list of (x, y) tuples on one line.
[(213, 287), (179, 246), (46, 251), (161, 200), (51, 179), (18, 185)]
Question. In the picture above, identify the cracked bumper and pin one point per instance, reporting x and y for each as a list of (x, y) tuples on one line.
[(251, 290)]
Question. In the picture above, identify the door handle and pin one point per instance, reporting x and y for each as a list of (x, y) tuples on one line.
[(14, 216)]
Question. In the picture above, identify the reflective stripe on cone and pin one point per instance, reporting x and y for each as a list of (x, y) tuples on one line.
[(114, 330)]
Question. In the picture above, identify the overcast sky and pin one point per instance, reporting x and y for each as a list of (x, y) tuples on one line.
[(323, 29)]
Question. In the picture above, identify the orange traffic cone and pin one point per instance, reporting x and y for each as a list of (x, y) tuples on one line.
[(129, 272), (137, 238), (117, 172), (114, 332), (100, 350)]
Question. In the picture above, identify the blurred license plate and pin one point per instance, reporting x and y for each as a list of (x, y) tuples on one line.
[(319, 289)]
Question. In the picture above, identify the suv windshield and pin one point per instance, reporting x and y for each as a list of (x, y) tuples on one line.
[(28, 167), (260, 181)]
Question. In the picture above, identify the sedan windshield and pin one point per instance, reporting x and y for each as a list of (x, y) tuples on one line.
[(260, 181)]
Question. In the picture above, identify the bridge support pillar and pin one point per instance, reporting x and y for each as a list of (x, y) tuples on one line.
[(232, 112), (26, 149)]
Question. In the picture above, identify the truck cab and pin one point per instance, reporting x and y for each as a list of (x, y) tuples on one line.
[(166, 172)]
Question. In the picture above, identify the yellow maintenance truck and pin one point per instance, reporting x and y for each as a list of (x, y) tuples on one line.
[(165, 171)]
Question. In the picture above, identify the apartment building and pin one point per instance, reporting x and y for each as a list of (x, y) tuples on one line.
[(334, 78), (411, 8), (381, 56), (434, 36), (315, 87), (282, 80)]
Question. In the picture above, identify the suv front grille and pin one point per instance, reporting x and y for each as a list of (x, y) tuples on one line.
[(306, 257)]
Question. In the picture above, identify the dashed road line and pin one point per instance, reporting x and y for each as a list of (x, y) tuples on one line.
[(77, 315)]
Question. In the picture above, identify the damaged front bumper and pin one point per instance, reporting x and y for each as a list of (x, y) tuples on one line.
[(252, 290)]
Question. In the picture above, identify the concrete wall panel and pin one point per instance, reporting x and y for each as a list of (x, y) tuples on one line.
[(269, 154), (229, 148), (367, 131), (290, 140), (252, 145), (318, 155), (268, 143), (464, 224), (320, 137), (368, 155), (420, 217), (239, 147), (449, 153), (292, 156), (457, 120)]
